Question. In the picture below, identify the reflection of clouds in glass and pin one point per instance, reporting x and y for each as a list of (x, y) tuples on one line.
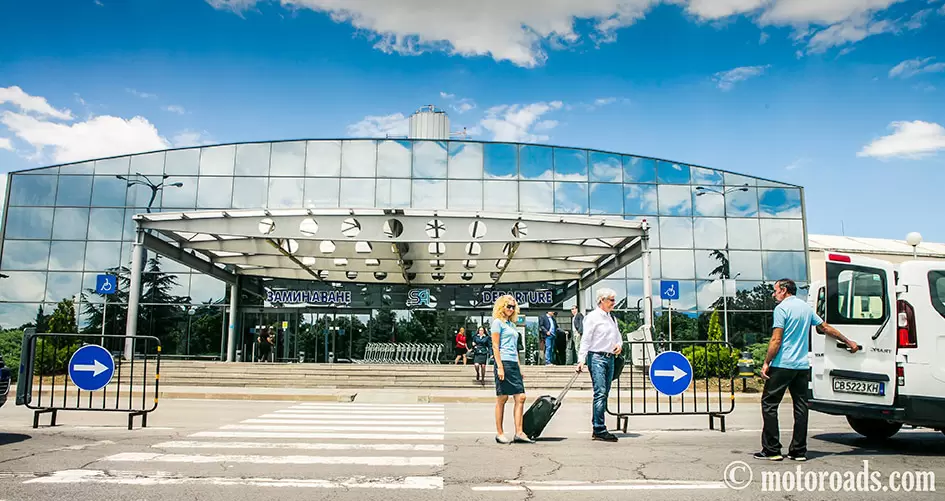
[(66, 256), (570, 165), (285, 193), (537, 196), (13, 315), (288, 159), (708, 204), (639, 170), (204, 288), (605, 167), (676, 232), (393, 159), (392, 193), (25, 255), (535, 162), (738, 180), (465, 195), (675, 200), (606, 198), (745, 265), (357, 193), (706, 176), (61, 286), (429, 159), (28, 222), (708, 293), (429, 194), (251, 160), (571, 198), (742, 203), (214, 192), (500, 161), (321, 193), (100, 256), (251, 192), (500, 196), (743, 233), (678, 264), (782, 234), (70, 224), (709, 233), (780, 202), (779, 265), (358, 158), (672, 173), (465, 161), (106, 224), (640, 198), (323, 158)]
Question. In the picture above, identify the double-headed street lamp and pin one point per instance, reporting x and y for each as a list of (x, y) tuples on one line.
[(702, 190), (142, 180)]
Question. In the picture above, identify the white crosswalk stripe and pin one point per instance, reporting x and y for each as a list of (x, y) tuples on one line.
[(395, 446)]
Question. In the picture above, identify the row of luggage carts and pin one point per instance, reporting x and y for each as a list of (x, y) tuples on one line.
[(401, 353)]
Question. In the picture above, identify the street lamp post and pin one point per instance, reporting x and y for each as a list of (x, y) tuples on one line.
[(141, 180), (914, 239)]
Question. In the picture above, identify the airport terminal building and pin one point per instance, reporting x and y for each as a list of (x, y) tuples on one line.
[(65, 225)]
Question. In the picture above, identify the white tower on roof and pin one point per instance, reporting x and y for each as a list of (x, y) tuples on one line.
[(429, 122)]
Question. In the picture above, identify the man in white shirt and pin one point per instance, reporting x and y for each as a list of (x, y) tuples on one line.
[(600, 345)]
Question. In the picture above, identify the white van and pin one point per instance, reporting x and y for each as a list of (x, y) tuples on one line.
[(896, 313)]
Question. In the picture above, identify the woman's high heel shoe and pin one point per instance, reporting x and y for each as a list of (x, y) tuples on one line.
[(501, 439)]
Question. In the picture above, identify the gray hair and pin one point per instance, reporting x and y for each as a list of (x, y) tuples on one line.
[(604, 293)]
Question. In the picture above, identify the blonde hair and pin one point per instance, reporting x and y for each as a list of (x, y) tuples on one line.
[(499, 307)]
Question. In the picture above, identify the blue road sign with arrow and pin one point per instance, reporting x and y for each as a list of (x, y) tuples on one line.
[(669, 289), (91, 367), (106, 284), (671, 373)]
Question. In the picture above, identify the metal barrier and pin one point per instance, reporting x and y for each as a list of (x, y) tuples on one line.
[(401, 353), (49, 369), (709, 393)]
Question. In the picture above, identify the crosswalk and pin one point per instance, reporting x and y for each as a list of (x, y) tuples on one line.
[(308, 445)]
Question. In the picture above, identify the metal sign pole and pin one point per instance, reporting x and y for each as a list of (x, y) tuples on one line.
[(670, 325), (104, 309)]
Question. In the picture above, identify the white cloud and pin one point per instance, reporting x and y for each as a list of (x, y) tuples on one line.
[(174, 108), (913, 67), (726, 80), (848, 32), (380, 126), (461, 105), (188, 138), (764, 38), (6, 144), (31, 104), (914, 139), (142, 95), (519, 123)]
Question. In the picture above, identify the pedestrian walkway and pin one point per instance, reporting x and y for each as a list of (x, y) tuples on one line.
[(376, 446)]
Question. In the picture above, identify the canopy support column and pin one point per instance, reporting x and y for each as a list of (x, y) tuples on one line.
[(231, 330), (134, 293), (647, 284)]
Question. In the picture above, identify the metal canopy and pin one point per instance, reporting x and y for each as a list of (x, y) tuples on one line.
[(399, 246)]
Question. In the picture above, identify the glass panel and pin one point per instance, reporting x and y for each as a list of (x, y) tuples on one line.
[(709, 233), (74, 190), (606, 198), (605, 167), (742, 203), (323, 158), (61, 286), (108, 192), (745, 265), (285, 193), (78, 169), (183, 197), (710, 264), (358, 193), (214, 192), (71, 224), (182, 162), (104, 224), (500, 161), (500, 196), (676, 232), (465, 160), (707, 203), (28, 223), (709, 296), (619, 287), (219, 160), (393, 159), (686, 302), (570, 164), (100, 256), (113, 166), (738, 180), (743, 233), (428, 194), (178, 288), (571, 198), (429, 159), (322, 193), (675, 200), (16, 315), (206, 289), (677, 264), (140, 196), (465, 195), (672, 173), (780, 202), (393, 193), (251, 159), (640, 199), (32, 190), (782, 234), (536, 162), (88, 287), (654, 223), (288, 159), (706, 177), (25, 255), (778, 265), (358, 159), (635, 269), (249, 192), (537, 197), (151, 164), (639, 170), (67, 256), (23, 286)]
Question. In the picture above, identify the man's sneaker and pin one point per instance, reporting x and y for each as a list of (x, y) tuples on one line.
[(797, 457), (605, 437), (768, 457)]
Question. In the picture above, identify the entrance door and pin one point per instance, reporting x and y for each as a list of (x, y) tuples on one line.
[(270, 335)]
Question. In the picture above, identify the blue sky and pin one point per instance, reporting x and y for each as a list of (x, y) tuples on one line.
[(843, 97)]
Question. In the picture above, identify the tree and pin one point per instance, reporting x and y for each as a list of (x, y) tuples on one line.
[(62, 320), (715, 328), (41, 322)]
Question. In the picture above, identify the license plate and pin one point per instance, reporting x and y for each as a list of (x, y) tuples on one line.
[(861, 387)]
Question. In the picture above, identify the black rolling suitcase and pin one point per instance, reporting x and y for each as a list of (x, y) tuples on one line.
[(538, 416)]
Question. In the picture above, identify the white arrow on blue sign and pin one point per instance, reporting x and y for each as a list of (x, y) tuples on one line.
[(91, 367), (671, 373), (106, 284)]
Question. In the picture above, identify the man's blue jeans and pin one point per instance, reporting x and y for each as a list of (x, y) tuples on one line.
[(602, 375), (549, 349)]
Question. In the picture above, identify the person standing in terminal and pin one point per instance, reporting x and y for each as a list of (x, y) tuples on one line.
[(547, 328), (461, 347), (600, 345), (577, 329), (508, 374), (481, 345)]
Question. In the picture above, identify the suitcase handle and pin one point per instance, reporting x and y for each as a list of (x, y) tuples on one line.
[(566, 388)]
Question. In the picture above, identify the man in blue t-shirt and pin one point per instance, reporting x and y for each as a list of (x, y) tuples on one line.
[(787, 368)]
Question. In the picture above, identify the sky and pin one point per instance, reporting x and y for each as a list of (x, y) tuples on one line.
[(843, 97)]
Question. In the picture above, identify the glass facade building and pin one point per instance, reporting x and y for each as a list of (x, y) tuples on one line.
[(64, 225)]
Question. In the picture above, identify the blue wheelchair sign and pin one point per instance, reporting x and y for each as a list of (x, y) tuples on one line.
[(669, 289), (91, 367), (106, 284), (671, 373)]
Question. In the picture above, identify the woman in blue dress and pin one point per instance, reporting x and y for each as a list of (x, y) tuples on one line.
[(508, 374)]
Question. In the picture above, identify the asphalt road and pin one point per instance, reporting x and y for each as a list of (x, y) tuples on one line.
[(251, 450)]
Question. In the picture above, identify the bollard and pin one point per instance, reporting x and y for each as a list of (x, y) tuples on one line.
[(301, 357), (746, 369), (239, 355)]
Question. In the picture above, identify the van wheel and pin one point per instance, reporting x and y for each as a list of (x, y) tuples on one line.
[(874, 428)]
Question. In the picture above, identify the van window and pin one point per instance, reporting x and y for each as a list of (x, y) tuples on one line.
[(855, 295), (821, 303), (937, 290)]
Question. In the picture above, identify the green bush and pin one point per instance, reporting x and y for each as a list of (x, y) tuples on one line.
[(712, 360), (758, 353), (10, 343), (53, 354)]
